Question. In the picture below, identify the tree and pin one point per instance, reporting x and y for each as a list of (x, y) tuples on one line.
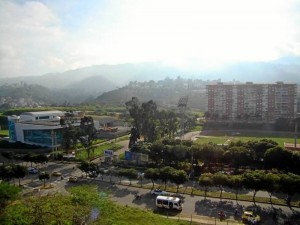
[(169, 123), (179, 177), (156, 152), (208, 153), (44, 176), (70, 136), (128, 173), (178, 153), (289, 184), (27, 158), (270, 183), (237, 156), (235, 182), (253, 180), (206, 180), (89, 168), (152, 174), (220, 180), (259, 148), (6, 172), (19, 172), (8, 155), (165, 173), (144, 118), (135, 112), (134, 136), (295, 162), (87, 133), (40, 158), (149, 122), (277, 157)]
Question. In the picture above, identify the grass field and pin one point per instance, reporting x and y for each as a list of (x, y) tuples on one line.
[(226, 139), (98, 151)]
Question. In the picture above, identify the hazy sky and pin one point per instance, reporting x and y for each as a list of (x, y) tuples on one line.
[(38, 37)]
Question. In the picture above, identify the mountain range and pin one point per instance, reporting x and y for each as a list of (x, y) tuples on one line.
[(98, 79)]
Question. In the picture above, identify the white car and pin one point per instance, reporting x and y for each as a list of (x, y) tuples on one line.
[(158, 192), (56, 173)]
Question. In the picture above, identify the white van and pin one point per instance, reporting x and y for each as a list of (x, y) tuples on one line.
[(168, 202)]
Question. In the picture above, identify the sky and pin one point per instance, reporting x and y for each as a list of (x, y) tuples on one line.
[(46, 36)]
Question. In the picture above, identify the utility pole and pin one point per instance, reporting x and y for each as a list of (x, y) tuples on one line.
[(182, 103), (296, 131), (52, 143)]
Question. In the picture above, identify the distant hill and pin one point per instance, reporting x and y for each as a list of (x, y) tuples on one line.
[(166, 93), (98, 79), (116, 84), (33, 95)]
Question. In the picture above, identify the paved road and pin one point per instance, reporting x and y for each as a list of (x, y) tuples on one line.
[(194, 206), (197, 206)]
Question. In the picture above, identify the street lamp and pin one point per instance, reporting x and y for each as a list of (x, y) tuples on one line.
[(297, 119)]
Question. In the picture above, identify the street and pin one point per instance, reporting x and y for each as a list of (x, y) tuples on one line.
[(194, 206), (124, 194)]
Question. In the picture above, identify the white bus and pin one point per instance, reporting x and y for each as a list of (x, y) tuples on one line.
[(168, 202)]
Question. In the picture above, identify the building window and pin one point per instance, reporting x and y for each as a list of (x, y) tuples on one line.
[(44, 117), (41, 137)]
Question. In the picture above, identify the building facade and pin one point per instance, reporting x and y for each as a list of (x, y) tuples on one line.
[(249, 101), (36, 128)]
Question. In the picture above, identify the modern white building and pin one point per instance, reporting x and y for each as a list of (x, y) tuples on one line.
[(37, 128)]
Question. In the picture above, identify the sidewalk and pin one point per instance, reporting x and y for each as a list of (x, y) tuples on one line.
[(204, 220)]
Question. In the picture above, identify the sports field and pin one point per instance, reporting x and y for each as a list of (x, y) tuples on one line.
[(225, 137)]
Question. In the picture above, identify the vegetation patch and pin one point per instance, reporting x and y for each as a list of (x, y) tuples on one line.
[(84, 204)]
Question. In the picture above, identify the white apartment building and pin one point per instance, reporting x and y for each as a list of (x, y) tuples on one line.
[(255, 102)]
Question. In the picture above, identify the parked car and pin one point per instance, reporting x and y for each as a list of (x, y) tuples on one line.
[(56, 173), (73, 179), (249, 216), (158, 192), (32, 170)]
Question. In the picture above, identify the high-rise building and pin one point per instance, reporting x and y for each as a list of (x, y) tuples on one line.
[(249, 101)]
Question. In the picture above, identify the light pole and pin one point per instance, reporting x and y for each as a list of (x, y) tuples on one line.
[(296, 130), (295, 136), (53, 143)]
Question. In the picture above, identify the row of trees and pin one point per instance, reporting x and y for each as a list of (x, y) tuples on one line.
[(253, 180), (256, 180), (265, 154), (11, 171), (165, 174), (30, 157)]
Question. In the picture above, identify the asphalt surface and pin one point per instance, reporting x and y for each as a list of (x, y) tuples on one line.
[(196, 208)]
